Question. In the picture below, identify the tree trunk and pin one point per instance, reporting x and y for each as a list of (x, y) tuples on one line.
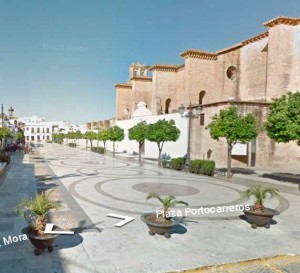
[(104, 143), (114, 149), (140, 152), (229, 149)]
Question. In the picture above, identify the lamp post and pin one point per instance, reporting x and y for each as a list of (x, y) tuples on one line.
[(10, 112), (2, 120), (190, 114)]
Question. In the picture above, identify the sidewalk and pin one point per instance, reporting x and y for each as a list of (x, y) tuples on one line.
[(99, 247)]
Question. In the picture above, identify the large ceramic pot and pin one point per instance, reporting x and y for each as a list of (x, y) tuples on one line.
[(40, 242), (260, 218), (159, 228)]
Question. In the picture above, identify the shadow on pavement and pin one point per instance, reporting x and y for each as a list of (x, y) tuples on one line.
[(178, 229), (285, 177), (243, 217)]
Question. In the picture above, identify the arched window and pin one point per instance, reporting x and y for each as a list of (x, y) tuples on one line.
[(167, 108), (201, 96)]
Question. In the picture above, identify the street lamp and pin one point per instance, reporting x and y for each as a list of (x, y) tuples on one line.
[(11, 112), (190, 114)]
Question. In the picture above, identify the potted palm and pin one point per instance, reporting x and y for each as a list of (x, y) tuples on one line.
[(162, 222), (35, 211), (259, 215)]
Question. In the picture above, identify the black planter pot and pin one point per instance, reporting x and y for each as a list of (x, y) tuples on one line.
[(260, 219), (40, 242), (159, 228)]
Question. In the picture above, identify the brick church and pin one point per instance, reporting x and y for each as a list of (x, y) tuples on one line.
[(249, 75)]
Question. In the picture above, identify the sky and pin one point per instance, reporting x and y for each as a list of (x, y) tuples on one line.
[(60, 59)]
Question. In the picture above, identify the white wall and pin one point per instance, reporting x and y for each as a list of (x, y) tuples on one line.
[(174, 149)]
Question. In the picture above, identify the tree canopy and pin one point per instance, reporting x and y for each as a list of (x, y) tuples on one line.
[(232, 126), (115, 133), (5, 133), (162, 131), (283, 122), (138, 133)]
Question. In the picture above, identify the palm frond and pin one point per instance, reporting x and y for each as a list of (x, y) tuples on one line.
[(167, 202), (260, 193), (178, 202)]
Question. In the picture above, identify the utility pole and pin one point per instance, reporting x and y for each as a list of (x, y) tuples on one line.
[(2, 116)]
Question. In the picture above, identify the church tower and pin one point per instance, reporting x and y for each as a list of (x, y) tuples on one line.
[(138, 69)]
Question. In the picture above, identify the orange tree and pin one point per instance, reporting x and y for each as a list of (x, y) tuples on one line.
[(234, 128), (283, 122), (161, 132), (138, 133)]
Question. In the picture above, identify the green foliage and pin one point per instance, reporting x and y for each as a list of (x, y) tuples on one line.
[(99, 150), (260, 193), (283, 122), (5, 133), (78, 135), (208, 167), (165, 163), (103, 135), (20, 135), (115, 133), (38, 206), (138, 132), (167, 202), (160, 132), (58, 137), (177, 163), (90, 135), (163, 131), (232, 126), (205, 167)]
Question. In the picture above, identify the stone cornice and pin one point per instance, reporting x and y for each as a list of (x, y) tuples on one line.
[(199, 54), (180, 67), (124, 85), (142, 78), (256, 38), (282, 20), (249, 103), (228, 49), (166, 67)]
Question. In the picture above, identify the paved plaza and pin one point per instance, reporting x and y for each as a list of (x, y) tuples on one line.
[(91, 185)]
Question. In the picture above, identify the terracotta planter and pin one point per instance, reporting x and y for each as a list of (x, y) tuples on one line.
[(260, 218), (159, 228), (40, 242)]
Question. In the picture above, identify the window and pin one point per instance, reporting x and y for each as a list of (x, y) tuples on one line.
[(32, 138), (27, 129), (167, 109), (201, 119), (43, 130), (48, 130), (38, 130), (231, 73), (201, 96), (48, 138), (27, 138), (38, 138), (32, 130), (134, 72)]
